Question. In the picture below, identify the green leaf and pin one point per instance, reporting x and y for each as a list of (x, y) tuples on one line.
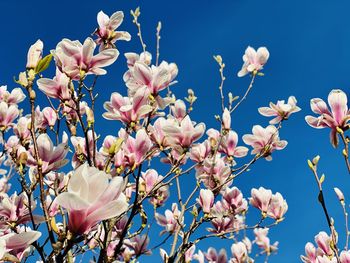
[(43, 64)]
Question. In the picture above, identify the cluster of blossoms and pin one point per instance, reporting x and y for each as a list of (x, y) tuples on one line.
[(103, 203), (337, 119)]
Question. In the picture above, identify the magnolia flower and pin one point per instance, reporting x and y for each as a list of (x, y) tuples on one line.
[(52, 157), (129, 110), (323, 241), (261, 199), (14, 209), (57, 88), (34, 54), (106, 33), (239, 252), (336, 118), (91, 197), (139, 245), (155, 78), (76, 59), (148, 180), (281, 110), (264, 140), (229, 146), (50, 116), (16, 243), (263, 241), (8, 113), (339, 194), (178, 110), (278, 207), (16, 96), (206, 200), (345, 257), (136, 149), (226, 120), (233, 200), (213, 256), (253, 60), (183, 133), (310, 252), (170, 220)]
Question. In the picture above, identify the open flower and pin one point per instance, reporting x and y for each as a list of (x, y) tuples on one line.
[(15, 244), (76, 59), (253, 60), (91, 198), (183, 133), (281, 110), (52, 157), (261, 199), (57, 88), (337, 117), (106, 33), (129, 110), (264, 140)]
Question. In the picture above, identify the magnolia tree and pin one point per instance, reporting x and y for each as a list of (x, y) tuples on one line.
[(87, 196)]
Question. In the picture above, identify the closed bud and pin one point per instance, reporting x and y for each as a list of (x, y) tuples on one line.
[(34, 54)]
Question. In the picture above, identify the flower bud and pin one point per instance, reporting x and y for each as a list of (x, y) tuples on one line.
[(34, 54)]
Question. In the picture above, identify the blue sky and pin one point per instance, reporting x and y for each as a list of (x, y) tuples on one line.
[(309, 45)]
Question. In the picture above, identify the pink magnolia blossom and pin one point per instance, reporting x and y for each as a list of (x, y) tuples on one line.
[(278, 207), (57, 88), (157, 134), (52, 157), (337, 117), (149, 179), (106, 31), (50, 116), (14, 209), (189, 254), (155, 78), (183, 133), (239, 253), (76, 59), (214, 173), (262, 240), (91, 197), (311, 253), (34, 54), (323, 241), (345, 257), (206, 200), (233, 200), (170, 219), (129, 110), (21, 129), (264, 140), (261, 199), (254, 60), (326, 259), (139, 245), (199, 152), (213, 256), (226, 120), (178, 110), (8, 113), (281, 110), (229, 146), (16, 244), (339, 194), (16, 96), (136, 149)]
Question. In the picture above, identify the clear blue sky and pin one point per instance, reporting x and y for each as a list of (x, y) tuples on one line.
[(309, 44)]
